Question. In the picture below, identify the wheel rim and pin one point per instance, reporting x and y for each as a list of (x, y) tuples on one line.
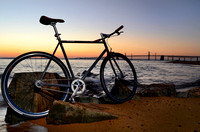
[(21, 67)]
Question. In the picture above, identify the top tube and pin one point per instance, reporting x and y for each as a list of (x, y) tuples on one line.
[(75, 41)]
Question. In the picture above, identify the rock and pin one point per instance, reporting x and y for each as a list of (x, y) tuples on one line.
[(13, 118), (136, 97), (194, 92), (87, 99), (182, 94), (66, 113), (120, 89), (23, 91), (106, 100), (154, 90), (93, 86)]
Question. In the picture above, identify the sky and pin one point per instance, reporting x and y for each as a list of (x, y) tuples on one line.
[(164, 27)]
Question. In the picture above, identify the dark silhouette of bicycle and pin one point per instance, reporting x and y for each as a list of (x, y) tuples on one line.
[(37, 78)]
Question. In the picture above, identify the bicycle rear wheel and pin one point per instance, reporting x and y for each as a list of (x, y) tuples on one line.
[(20, 83), (118, 77)]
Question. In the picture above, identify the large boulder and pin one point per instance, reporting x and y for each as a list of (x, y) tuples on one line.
[(66, 113)]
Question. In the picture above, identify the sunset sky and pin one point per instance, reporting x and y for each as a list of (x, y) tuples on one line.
[(164, 27)]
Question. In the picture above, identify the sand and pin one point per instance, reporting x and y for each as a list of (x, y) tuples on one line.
[(147, 114)]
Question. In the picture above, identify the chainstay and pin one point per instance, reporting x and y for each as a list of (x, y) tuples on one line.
[(59, 91)]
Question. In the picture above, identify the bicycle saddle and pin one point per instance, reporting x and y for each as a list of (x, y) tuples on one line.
[(46, 20)]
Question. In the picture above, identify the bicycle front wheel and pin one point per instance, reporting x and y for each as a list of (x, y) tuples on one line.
[(20, 83), (118, 77)]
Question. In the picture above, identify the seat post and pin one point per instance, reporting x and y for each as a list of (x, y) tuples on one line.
[(57, 35)]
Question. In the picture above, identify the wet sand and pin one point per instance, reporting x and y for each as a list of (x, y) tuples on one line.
[(146, 114)]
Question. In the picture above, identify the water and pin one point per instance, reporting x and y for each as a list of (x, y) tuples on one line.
[(163, 72), (148, 72)]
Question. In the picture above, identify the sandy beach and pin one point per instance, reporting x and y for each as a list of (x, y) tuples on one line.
[(145, 114)]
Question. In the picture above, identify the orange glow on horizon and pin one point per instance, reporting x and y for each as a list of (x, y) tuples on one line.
[(94, 51), (123, 44)]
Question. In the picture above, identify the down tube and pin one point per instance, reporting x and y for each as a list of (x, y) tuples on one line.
[(93, 65)]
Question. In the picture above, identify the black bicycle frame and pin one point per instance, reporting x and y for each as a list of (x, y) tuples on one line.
[(60, 43)]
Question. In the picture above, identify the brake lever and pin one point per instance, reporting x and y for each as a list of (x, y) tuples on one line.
[(118, 33), (106, 35)]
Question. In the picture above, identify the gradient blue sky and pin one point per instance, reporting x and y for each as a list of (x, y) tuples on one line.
[(159, 26)]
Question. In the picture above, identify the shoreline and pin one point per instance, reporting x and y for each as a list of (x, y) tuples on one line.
[(146, 114)]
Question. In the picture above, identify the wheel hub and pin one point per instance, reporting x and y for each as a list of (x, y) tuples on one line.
[(38, 83)]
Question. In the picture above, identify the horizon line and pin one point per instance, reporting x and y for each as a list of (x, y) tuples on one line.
[(85, 57)]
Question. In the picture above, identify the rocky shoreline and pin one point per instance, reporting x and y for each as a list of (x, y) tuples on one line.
[(186, 90), (152, 90)]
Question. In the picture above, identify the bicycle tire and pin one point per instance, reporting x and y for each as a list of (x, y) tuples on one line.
[(119, 88), (24, 96)]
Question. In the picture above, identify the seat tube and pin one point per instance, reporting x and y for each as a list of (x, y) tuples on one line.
[(53, 24), (67, 60), (57, 35)]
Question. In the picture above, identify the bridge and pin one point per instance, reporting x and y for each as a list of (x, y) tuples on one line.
[(163, 57)]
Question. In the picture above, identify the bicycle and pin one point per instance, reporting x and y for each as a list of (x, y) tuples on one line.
[(47, 78)]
